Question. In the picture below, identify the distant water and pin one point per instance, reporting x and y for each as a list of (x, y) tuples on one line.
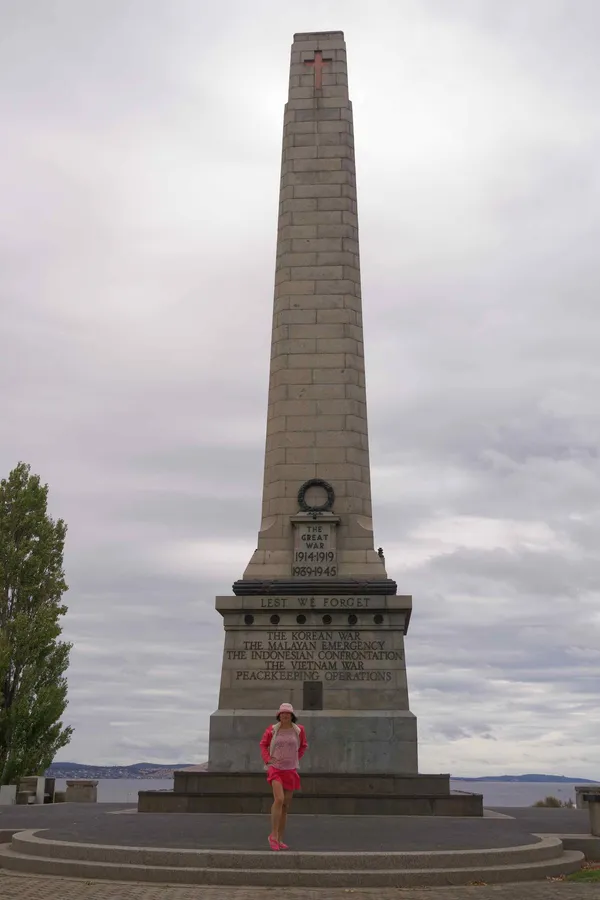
[(495, 793)]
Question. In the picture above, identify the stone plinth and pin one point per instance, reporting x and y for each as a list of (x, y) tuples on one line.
[(593, 802), (324, 793), (338, 659), (82, 790)]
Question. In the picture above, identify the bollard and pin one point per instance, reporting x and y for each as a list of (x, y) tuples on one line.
[(593, 802)]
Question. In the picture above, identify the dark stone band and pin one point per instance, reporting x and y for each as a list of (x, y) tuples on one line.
[(297, 587)]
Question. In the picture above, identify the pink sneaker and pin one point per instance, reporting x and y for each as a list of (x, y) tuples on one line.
[(283, 846), (273, 843)]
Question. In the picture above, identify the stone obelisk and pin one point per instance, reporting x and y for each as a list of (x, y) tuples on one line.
[(315, 620)]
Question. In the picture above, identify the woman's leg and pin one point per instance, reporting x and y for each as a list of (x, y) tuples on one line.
[(277, 808), (287, 802)]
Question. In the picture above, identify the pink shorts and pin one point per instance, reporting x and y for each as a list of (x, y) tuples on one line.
[(289, 778)]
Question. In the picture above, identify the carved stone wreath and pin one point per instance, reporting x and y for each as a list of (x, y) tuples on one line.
[(316, 482)]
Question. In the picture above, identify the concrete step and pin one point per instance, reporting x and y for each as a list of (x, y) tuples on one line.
[(29, 843), (305, 803), (289, 868)]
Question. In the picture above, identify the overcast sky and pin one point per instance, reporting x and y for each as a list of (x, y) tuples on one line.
[(138, 181)]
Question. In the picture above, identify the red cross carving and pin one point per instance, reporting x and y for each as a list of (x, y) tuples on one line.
[(318, 62)]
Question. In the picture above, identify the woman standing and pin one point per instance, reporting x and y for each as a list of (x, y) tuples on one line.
[(281, 747)]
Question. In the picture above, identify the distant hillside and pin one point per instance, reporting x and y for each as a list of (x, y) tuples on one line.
[(137, 770), (531, 778), (143, 770)]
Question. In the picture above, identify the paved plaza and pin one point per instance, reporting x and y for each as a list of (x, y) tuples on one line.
[(33, 888), (121, 825)]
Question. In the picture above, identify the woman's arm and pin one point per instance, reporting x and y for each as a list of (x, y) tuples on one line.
[(303, 743), (265, 745)]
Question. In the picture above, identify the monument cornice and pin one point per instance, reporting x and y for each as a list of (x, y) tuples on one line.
[(256, 586)]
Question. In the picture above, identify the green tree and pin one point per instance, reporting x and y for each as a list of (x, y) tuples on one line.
[(33, 661)]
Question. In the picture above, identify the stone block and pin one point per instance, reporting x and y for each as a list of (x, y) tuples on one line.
[(317, 273), (295, 206), (282, 273), (300, 93), (336, 138), (350, 273), (320, 176), (82, 790), (295, 287), (340, 316), (318, 391), (339, 438), (306, 127), (336, 345), (282, 506), (341, 204), (311, 360), (317, 245), (310, 455), (293, 376), (332, 229), (337, 150), (337, 472), (333, 90), (318, 218), (317, 164), (320, 114), (358, 456), (333, 286), (298, 153), (335, 376), (329, 258), (317, 190), (315, 331), (276, 424), (318, 301), (327, 126), (293, 260), (315, 423), (341, 103), (296, 317), (298, 230), (274, 457), (304, 140)]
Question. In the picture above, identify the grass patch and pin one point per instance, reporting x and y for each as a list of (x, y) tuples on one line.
[(588, 875), (555, 803)]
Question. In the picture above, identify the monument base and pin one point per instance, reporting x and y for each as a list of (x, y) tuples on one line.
[(199, 791), (345, 741)]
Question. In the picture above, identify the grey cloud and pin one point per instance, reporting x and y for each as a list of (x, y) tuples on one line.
[(141, 146)]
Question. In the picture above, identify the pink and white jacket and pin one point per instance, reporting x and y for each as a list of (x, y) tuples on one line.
[(266, 743)]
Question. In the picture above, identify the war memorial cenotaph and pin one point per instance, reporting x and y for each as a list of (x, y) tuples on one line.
[(315, 620)]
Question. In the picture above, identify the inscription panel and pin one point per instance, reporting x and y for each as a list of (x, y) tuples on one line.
[(336, 655), (315, 553), (318, 602)]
